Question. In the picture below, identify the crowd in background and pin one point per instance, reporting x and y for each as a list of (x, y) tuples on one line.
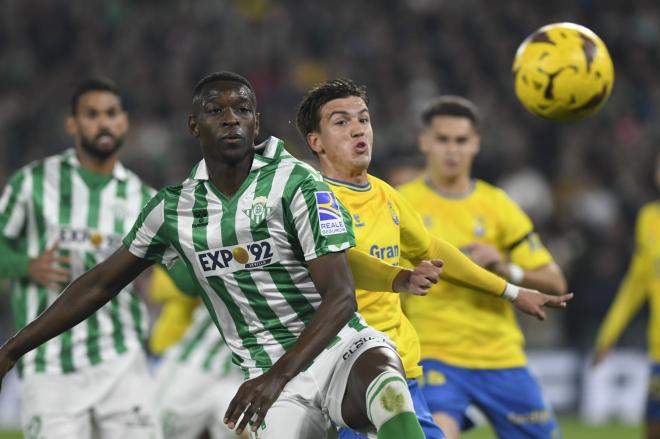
[(582, 183)]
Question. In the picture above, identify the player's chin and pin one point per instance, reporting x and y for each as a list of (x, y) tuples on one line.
[(362, 161)]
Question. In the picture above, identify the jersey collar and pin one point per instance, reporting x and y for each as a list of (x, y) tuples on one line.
[(265, 153), (118, 171), (348, 185)]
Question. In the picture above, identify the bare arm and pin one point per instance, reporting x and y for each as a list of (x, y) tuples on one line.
[(332, 276), (78, 301), (548, 279)]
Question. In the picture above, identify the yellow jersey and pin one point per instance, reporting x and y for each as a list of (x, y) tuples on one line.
[(176, 315), (387, 228), (461, 326), (641, 283)]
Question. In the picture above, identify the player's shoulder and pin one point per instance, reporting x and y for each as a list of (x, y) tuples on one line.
[(493, 195), (297, 170), (381, 185), (649, 213), (413, 187), (40, 163), (488, 190), (131, 176)]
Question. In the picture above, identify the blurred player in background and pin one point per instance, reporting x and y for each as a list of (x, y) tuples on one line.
[(641, 283), (472, 348), (196, 379), (59, 217), (335, 122), (175, 315)]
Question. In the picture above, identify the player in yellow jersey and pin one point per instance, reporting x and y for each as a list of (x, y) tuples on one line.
[(334, 120), (472, 348), (175, 315), (641, 283)]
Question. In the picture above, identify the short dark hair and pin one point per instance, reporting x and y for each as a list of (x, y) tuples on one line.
[(454, 106), (94, 83), (222, 76), (308, 116)]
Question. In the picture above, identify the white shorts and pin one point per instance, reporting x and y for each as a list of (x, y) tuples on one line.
[(313, 397), (114, 399), (191, 400)]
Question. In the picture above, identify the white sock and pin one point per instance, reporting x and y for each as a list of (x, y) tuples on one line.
[(388, 396)]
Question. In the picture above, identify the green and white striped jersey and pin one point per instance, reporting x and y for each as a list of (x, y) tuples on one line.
[(248, 252), (55, 200), (202, 347)]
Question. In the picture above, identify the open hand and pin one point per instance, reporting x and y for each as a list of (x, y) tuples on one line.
[(255, 396), (44, 270), (532, 302), (484, 255)]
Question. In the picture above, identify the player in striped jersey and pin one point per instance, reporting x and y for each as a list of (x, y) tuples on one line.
[(264, 238), (59, 217), (334, 120), (196, 382)]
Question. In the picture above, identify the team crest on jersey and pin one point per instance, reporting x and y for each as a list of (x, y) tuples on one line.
[(358, 222), (259, 210), (330, 217), (479, 227), (395, 217), (247, 256)]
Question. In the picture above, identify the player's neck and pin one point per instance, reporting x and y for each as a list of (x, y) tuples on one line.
[(453, 186), (226, 176), (346, 175), (103, 166)]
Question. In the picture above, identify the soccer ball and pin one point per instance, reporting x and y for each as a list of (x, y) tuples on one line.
[(563, 72)]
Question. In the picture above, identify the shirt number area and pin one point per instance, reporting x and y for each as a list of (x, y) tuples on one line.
[(247, 256)]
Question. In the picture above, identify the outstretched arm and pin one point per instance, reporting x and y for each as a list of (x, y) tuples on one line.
[(78, 301), (373, 274), (332, 277), (547, 278), (460, 270)]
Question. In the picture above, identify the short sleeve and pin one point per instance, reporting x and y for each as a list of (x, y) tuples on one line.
[(148, 236), (321, 224), (523, 245), (13, 205)]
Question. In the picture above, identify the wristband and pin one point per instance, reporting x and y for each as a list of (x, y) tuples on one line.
[(510, 292), (516, 273)]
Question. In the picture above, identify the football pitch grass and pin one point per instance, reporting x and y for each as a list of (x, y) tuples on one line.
[(571, 429)]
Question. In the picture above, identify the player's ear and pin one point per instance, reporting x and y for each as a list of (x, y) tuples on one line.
[(477, 143), (314, 142), (124, 122), (256, 124), (71, 126), (192, 126), (422, 141)]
